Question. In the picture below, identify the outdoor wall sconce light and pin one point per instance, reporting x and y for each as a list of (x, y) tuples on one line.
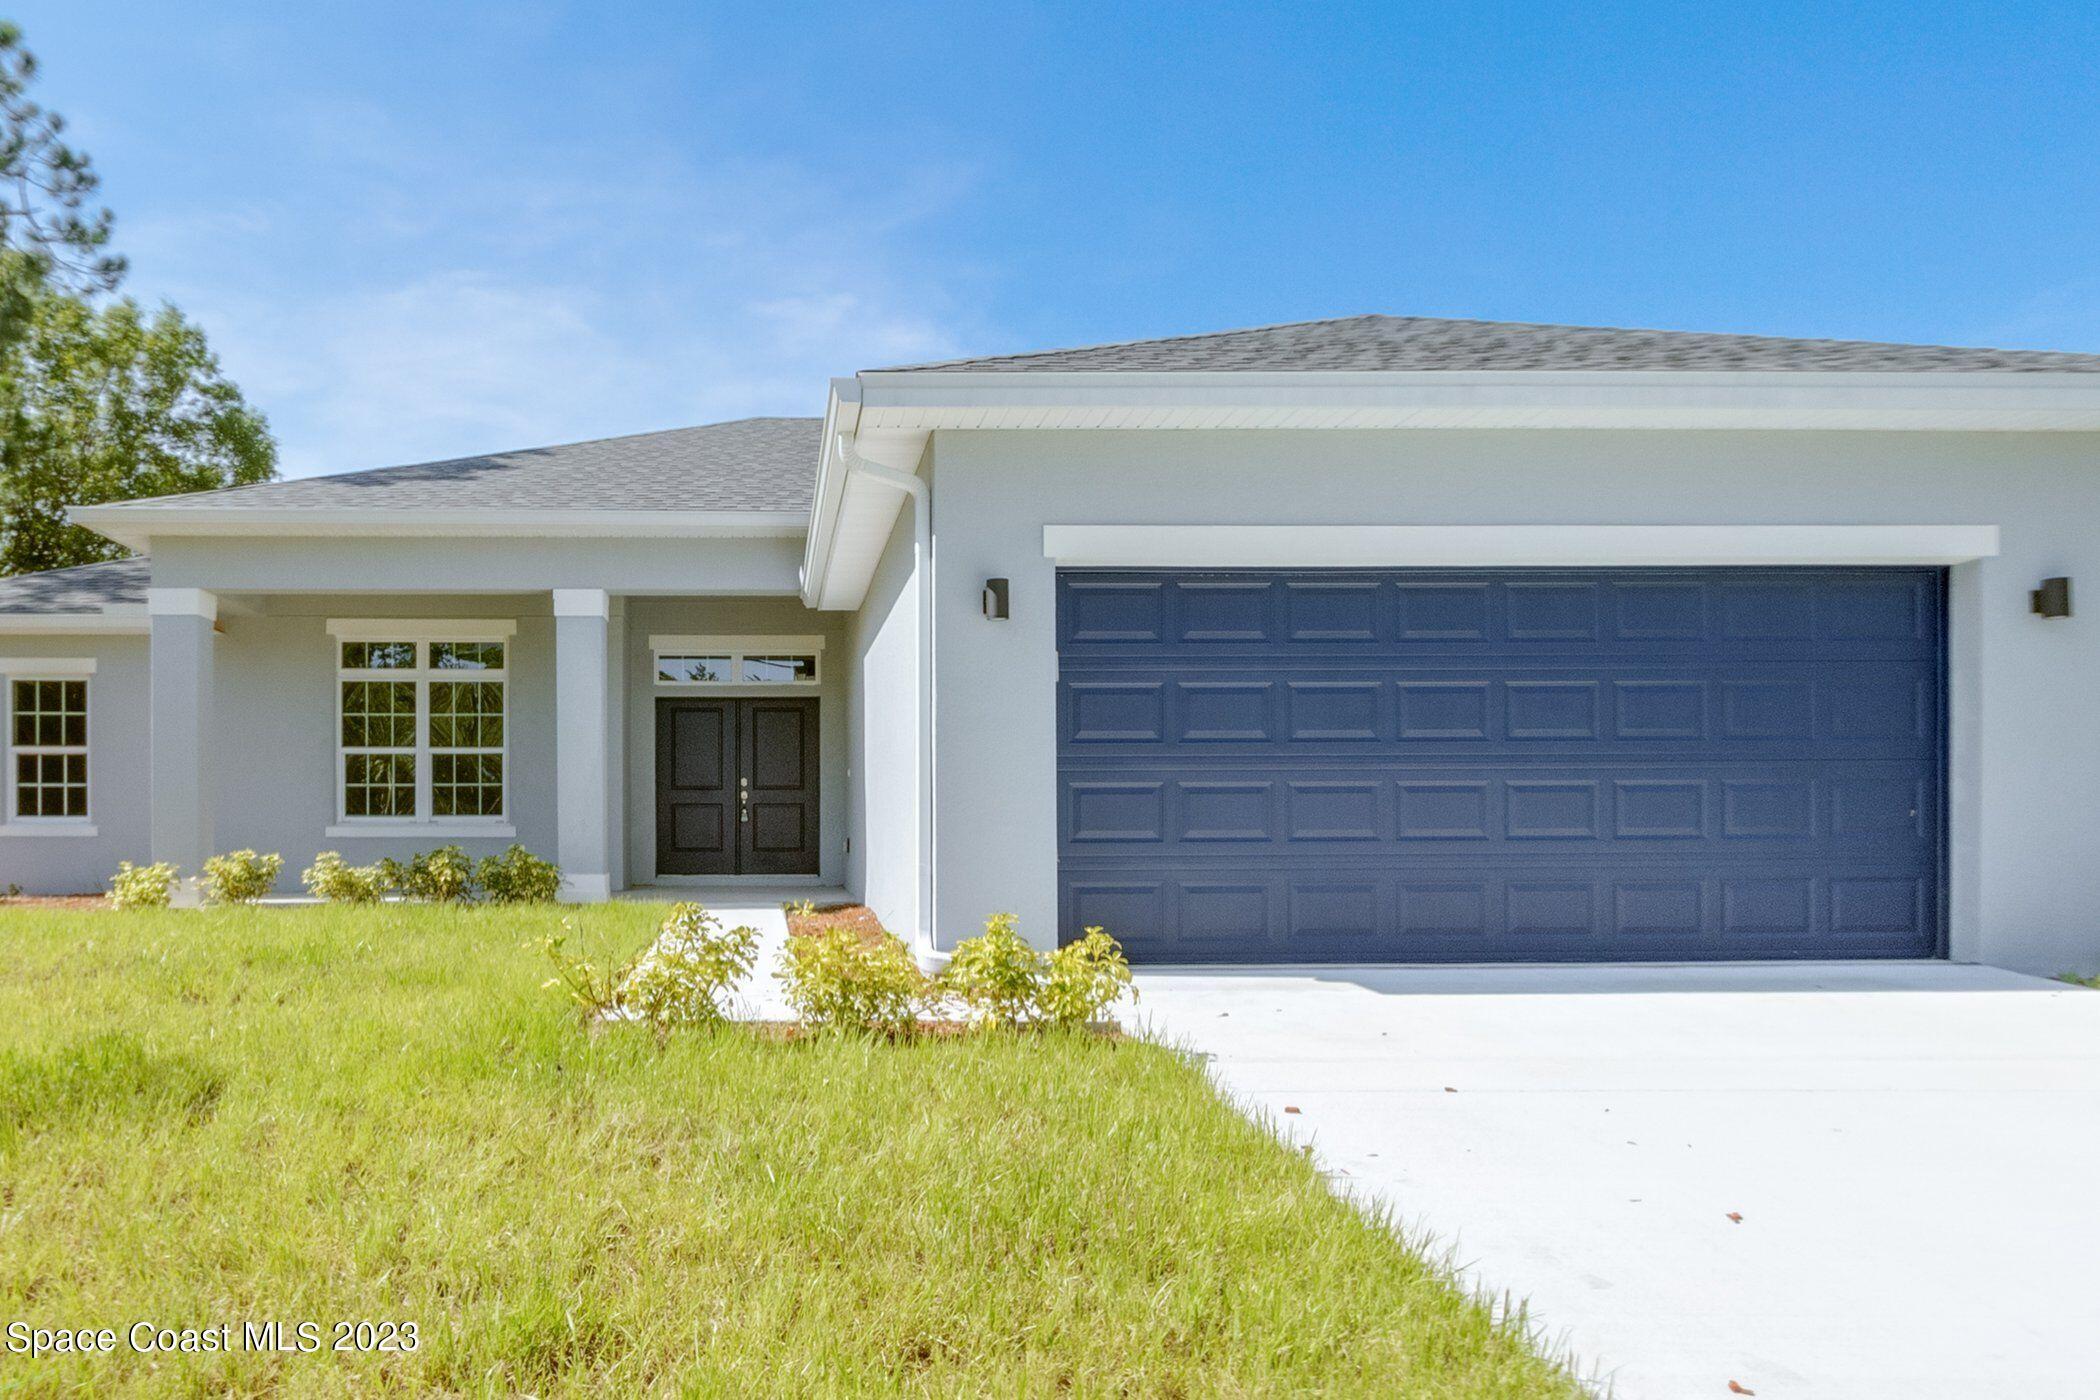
[(995, 597), (2053, 598)]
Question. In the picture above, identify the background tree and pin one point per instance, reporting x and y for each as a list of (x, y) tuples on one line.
[(106, 404), (45, 185), (99, 400)]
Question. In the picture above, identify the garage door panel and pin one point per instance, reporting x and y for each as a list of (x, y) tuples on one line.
[(1730, 812), (1873, 710), (1462, 765)]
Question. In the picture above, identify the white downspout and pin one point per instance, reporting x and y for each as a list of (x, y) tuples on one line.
[(913, 485)]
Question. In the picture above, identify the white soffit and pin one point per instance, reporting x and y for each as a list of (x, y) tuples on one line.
[(1407, 546)]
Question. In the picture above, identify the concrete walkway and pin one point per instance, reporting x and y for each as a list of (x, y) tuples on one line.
[(1913, 1150), (757, 997)]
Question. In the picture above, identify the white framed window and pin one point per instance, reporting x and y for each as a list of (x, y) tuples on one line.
[(708, 662), (46, 745), (422, 723)]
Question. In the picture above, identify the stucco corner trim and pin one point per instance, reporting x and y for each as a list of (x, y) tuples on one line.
[(1402, 546), (582, 602), (182, 602)]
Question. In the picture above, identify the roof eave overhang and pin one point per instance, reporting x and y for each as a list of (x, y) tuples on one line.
[(895, 411), (852, 514), (1966, 401), (135, 525)]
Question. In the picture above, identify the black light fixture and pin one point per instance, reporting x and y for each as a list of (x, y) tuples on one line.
[(995, 597), (2053, 598)]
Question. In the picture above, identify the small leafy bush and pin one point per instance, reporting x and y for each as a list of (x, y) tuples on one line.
[(595, 993), (240, 877), (1083, 979), (684, 977), (1003, 981), (335, 880), (518, 877), (846, 980), (442, 876), (141, 886), (997, 975)]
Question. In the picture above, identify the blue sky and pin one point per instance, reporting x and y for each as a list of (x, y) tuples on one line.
[(425, 230)]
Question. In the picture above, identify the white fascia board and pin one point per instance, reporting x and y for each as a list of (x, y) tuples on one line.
[(849, 508), (1461, 546), (130, 623), (1948, 401), (841, 414), (133, 526)]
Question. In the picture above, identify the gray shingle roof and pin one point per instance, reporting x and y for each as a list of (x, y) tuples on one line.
[(751, 464), (83, 588), (1419, 343)]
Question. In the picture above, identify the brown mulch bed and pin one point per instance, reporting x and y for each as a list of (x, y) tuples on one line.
[(858, 917), (54, 901)]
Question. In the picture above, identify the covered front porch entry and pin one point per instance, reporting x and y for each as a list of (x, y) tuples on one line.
[(383, 724)]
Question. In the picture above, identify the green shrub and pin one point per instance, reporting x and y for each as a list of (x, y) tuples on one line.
[(518, 877), (579, 979), (684, 977), (442, 876), (240, 877), (1003, 981), (141, 886), (997, 975), (335, 880), (1084, 979), (838, 978)]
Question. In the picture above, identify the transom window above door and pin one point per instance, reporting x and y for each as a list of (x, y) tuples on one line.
[(422, 721), (737, 661)]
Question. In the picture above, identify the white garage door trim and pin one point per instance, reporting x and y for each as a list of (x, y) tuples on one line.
[(1390, 546)]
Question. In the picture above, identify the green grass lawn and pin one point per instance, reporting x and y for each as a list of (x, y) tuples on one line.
[(323, 1115)]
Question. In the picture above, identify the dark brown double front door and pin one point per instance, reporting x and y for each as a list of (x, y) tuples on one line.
[(736, 787)]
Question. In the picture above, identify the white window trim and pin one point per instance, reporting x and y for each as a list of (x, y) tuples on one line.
[(422, 631), (49, 668), (736, 648), (1463, 546)]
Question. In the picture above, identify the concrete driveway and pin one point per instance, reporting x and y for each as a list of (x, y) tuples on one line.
[(1913, 1150)]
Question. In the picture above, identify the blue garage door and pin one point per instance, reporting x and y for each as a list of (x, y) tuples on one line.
[(1527, 765)]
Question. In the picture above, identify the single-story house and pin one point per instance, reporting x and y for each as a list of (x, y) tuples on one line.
[(1372, 639)]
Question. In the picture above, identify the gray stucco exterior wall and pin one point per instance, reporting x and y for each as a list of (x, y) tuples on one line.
[(2025, 758), (883, 641)]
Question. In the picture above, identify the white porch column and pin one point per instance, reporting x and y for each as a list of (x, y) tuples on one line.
[(183, 623), (582, 716)]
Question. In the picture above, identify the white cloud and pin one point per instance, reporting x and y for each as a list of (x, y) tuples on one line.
[(424, 308)]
